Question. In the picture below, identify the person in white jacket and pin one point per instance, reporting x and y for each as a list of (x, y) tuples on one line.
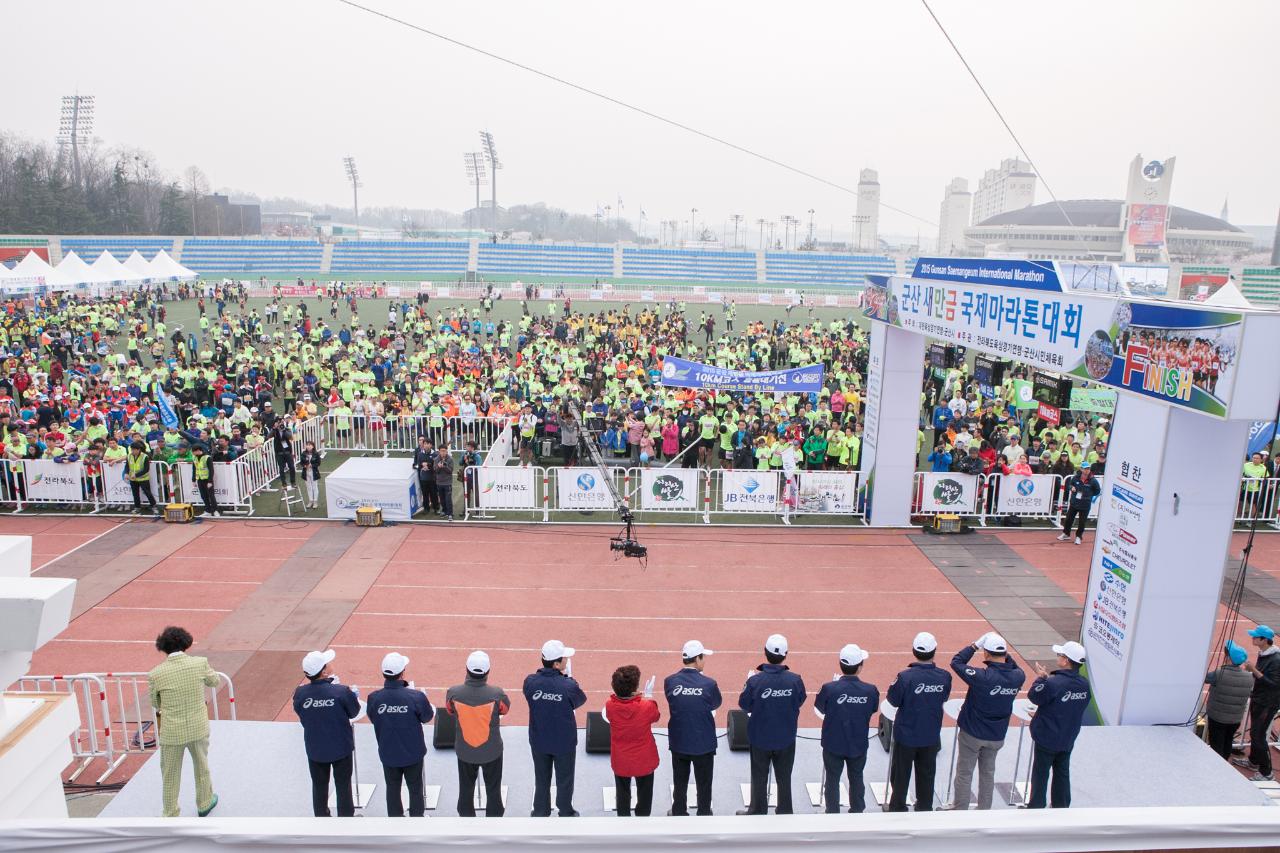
[(790, 484)]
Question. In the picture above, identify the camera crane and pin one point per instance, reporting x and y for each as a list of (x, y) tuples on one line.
[(625, 543)]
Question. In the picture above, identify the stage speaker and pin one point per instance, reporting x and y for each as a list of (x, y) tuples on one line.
[(597, 733), (885, 734), (446, 729), (737, 735)]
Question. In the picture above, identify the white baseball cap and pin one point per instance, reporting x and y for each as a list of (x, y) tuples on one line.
[(776, 644), (316, 661), (993, 642), (477, 663), (924, 642), (1072, 650), (693, 648), (394, 663), (852, 655), (554, 650)]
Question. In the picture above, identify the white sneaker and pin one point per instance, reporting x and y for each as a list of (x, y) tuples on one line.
[(1077, 540), (1062, 537), (786, 520)]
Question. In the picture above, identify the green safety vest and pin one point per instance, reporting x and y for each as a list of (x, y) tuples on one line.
[(202, 468), (138, 466)]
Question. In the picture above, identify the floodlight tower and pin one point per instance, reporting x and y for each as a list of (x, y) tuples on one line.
[(354, 176), (491, 156), (737, 218), (476, 177), (75, 128)]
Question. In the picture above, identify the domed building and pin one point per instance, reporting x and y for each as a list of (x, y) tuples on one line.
[(1091, 230)]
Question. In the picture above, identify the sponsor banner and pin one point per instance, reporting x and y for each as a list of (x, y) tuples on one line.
[(646, 296), (507, 488), (393, 291), (582, 488), (1024, 395), (442, 292), (1026, 495), (226, 488), (699, 290), (1093, 400), (749, 491), (1048, 414), (53, 481), (945, 492), (596, 294), (1146, 224), (296, 290), (713, 296), (764, 298), (1260, 435), (831, 301), (1143, 280), (829, 492), (117, 487), (1029, 275), (681, 373), (669, 488), (1180, 355)]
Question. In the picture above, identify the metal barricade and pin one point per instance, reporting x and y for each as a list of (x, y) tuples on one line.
[(400, 434), (1260, 495), (92, 739)]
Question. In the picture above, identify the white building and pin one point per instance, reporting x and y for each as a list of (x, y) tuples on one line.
[(867, 221), (1010, 187), (953, 217)]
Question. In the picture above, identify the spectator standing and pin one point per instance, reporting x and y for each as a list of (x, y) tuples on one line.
[(1080, 489), (444, 480), (478, 708), (1229, 689), (177, 692), (633, 753), (1264, 701)]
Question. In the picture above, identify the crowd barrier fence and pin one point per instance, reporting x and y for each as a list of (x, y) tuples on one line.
[(116, 717), (400, 434)]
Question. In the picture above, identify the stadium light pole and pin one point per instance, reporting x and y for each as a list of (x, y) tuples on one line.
[(858, 220), (737, 218), (811, 228), (353, 175), (760, 222), (491, 155), (75, 128), (474, 162), (693, 223)]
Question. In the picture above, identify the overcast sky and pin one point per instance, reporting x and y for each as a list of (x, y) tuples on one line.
[(269, 96)]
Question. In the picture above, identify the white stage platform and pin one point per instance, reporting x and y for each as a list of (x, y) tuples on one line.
[(259, 770)]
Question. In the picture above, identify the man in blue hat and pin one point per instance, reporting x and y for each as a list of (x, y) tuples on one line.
[(1264, 702), (1229, 689)]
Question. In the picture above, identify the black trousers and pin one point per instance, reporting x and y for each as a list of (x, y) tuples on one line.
[(1042, 762), (924, 760), (140, 488), (644, 795), (467, 774), (430, 499), (412, 777), (207, 495), (1071, 518), (1260, 717), (834, 765), (703, 767), (341, 781), (543, 764), (285, 463), (444, 494), (1220, 737), (781, 760)]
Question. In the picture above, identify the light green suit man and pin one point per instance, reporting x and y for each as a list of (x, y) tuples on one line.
[(177, 688)]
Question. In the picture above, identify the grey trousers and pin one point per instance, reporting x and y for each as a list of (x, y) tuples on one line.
[(982, 753)]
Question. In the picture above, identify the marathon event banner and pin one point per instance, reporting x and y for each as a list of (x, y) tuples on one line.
[(54, 481), (117, 487), (830, 492), (946, 492), (1021, 495), (507, 488), (749, 491), (1097, 400), (225, 486), (669, 488), (1182, 356), (681, 373), (582, 488)]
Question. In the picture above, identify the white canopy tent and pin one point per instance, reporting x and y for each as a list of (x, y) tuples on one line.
[(72, 272), (165, 268), (107, 270), (139, 265), (33, 266), (1229, 296)]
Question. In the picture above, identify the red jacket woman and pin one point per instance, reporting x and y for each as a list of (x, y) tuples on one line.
[(632, 749)]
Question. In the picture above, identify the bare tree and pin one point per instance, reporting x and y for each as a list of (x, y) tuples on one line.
[(196, 185)]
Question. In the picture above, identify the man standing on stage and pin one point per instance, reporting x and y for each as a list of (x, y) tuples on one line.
[(177, 694), (984, 717), (918, 693), (398, 713), (478, 708), (847, 705), (1061, 698), (692, 700), (772, 697), (325, 708), (1264, 701), (553, 696)]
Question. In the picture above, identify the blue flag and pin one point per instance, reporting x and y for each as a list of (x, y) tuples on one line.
[(681, 373), (167, 415), (1260, 434)]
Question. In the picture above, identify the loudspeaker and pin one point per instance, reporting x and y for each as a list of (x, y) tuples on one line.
[(886, 732), (597, 733), (737, 736), (445, 730)]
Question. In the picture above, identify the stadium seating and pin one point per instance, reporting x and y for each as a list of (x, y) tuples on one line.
[(813, 268), (257, 255), (689, 264), (542, 259), (89, 248), (414, 256)]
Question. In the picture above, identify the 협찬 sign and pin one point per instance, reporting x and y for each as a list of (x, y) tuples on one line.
[(681, 373)]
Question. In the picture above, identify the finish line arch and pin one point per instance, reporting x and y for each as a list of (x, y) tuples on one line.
[(1177, 443)]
